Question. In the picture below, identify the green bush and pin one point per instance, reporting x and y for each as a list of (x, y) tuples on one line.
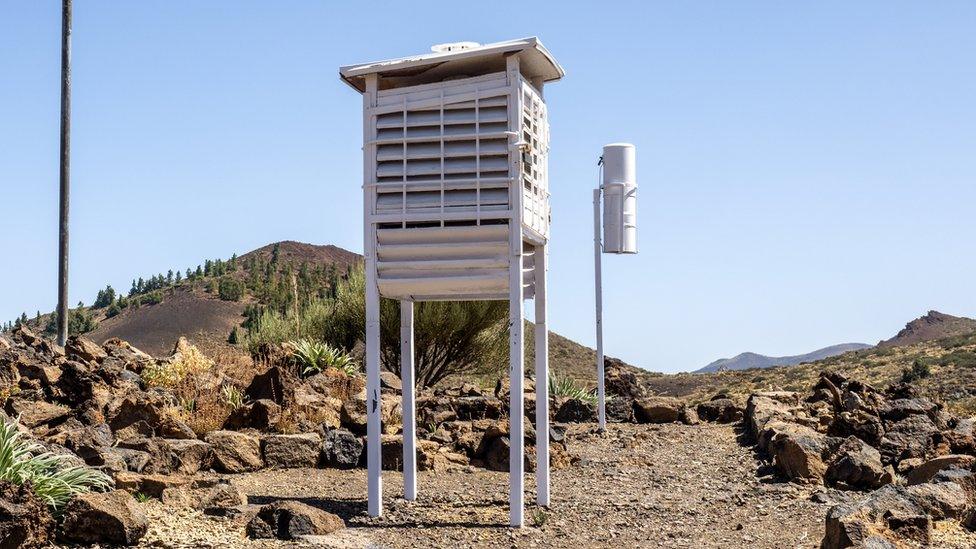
[(23, 462), (230, 289), (920, 369), (449, 337)]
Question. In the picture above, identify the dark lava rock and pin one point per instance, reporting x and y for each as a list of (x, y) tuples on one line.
[(287, 520), (720, 410), (341, 449), (575, 411), (112, 518), (25, 521)]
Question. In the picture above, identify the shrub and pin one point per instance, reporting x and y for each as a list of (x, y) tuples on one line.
[(919, 370), (113, 310), (230, 289), (23, 462), (189, 360), (567, 387), (152, 298), (449, 337), (315, 356)]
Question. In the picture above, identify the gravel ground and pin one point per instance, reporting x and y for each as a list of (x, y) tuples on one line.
[(635, 486)]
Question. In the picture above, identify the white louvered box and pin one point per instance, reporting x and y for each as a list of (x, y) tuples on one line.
[(456, 146)]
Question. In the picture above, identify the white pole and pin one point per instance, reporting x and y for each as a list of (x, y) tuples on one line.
[(374, 455), (597, 261), (541, 378), (516, 321), (516, 457), (409, 410)]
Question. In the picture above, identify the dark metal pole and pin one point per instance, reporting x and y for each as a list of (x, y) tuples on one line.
[(65, 170)]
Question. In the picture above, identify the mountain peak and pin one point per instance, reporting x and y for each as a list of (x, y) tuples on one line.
[(932, 325)]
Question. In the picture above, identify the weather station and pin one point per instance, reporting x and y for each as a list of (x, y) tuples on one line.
[(456, 207)]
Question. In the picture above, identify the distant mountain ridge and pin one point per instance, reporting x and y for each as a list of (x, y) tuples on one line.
[(745, 361)]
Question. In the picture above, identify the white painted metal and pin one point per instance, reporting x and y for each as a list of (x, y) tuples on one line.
[(619, 199), (374, 457), (408, 404), (516, 323), (443, 156), (541, 378), (456, 207), (434, 67), (618, 187), (598, 282)]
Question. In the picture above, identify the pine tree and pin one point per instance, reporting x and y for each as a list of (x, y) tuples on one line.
[(105, 297), (179, 277), (169, 277)]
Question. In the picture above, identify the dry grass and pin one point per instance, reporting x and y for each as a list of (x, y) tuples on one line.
[(201, 384)]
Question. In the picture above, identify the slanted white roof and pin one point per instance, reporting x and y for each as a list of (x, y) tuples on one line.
[(535, 62)]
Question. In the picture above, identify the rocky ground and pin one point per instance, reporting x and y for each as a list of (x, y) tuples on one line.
[(636, 486), (278, 460)]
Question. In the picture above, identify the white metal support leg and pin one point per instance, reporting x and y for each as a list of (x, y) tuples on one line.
[(374, 451), (541, 378), (374, 455), (597, 249), (409, 408), (516, 458)]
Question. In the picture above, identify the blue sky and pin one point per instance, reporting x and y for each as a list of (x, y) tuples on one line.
[(807, 171)]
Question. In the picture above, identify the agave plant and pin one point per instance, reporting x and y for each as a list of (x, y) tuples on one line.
[(560, 386), (315, 356), (55, 483)]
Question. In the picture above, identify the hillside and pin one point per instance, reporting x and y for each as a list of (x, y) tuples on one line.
[(745, 361), (208, 302), (568, 358), (203, 319), (931, 326)]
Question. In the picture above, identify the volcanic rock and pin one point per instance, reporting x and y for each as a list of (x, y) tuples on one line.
[(290, 451), (112, 518), (656, 410), (287, 520), (25, 521), (720, 410), (235, 452), (341, 449)]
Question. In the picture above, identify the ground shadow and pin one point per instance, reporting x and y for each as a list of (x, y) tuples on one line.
[(354, 510)]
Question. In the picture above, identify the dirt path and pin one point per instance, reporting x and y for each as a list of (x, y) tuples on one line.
[(636, 486)]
